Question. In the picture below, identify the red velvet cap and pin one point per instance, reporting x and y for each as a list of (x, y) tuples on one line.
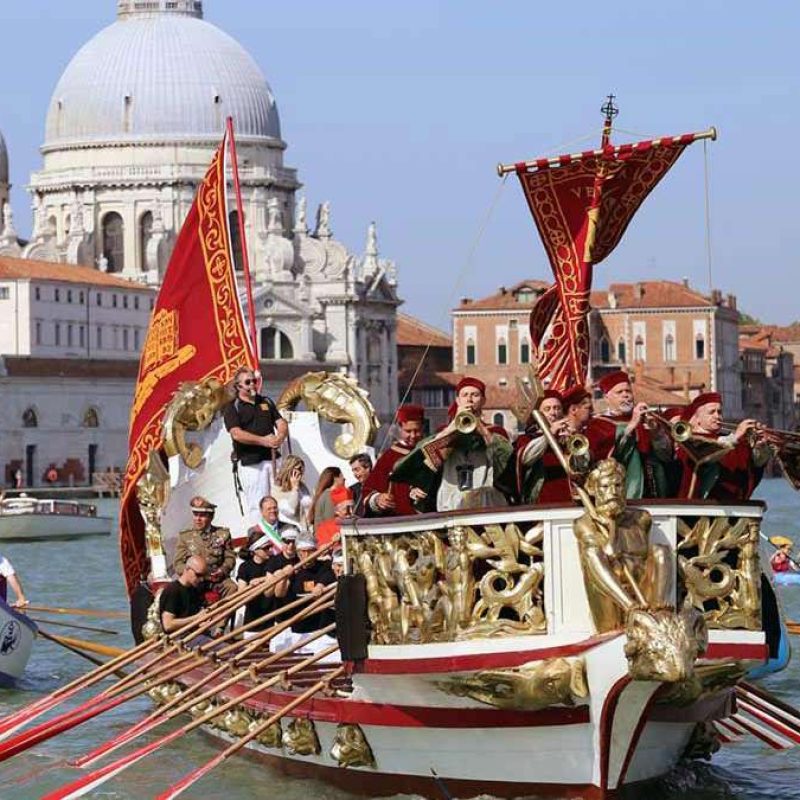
[(573, 396), (608, 382), (474, 382), (341, 494), (410, 413), (552, 394), (452, 410), (700, 401), (673, 411)]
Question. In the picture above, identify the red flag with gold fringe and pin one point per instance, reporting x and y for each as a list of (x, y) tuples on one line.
[(196, 332), (582, 205)]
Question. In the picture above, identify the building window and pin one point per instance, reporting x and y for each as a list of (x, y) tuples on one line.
[(145, 235), (90, 419), (669, 347), (135, 338), (152, 303), (69, 295), (124, 301), (99, 299), (81, 336), (113, 301), (5, 292), (502, 352), (37, 293), (30, 418), (38, 333), (525, 353), (699, 347), (136, 302), (81, 298), (638, 349), (58, 335), (99, 338), (114, 241), (621, 351), (236, 241), (57, 295), (275, 345), (605, 351), (498, 419), (124, 338), (471, 352), (69, 335)]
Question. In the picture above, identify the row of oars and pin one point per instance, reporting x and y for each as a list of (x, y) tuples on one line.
[(181, 652)]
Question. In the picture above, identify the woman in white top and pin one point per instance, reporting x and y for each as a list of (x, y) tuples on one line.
[(294, 499), (8, 577)]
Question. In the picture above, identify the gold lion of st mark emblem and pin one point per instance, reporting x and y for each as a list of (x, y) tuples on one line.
[(161, 355)]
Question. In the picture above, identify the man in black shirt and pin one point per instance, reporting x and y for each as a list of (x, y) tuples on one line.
[(312, 580), (182, 601), (257, 430)]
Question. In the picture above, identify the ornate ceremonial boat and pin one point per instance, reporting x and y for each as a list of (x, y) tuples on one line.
[(17, 634), (504, 650)]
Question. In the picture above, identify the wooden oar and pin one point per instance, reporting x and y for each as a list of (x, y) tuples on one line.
[(105, 701), (84, 645), (73, 625), (188, 698), (216, 613), (257, 730), (94, 779), (60, 640), (79, 612)]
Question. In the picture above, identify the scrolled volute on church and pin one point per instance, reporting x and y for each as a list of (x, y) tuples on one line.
[(192, 408), (720, 570), (336, 398), (423, 587)]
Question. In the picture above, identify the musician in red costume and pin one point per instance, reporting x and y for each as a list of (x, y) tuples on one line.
[(637, 442), (735, 475), (381, 495)]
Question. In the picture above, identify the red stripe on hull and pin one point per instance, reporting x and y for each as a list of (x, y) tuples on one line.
[(476, 661), (607, 725), (748, 652)]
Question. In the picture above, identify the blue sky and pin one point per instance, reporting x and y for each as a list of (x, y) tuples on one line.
[(398, 112)]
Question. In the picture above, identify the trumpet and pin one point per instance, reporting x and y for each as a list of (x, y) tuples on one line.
[(778, 436), (465, 422), (579, 456)]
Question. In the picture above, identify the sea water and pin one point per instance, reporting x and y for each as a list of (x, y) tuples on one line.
[(86, 573)]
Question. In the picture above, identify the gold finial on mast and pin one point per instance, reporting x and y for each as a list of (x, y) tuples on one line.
[(611, 111)]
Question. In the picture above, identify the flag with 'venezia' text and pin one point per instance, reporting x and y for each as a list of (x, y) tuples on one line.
[(582, 205), (197, 331)]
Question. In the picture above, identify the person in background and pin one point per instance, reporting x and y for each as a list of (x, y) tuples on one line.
[(361, 466), (382, 496), (337, 564), (321, 504), (212, 543), (268, 525), (9, 577), (311, 579), (781, 560), (181, 602), (294, 499), (257, 431), (342, 509)]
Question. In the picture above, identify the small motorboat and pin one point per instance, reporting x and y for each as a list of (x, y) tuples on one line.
[(17, 633), (27, 518)]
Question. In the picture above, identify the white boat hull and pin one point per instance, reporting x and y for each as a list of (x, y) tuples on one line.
[(27, 527), (17, 634)]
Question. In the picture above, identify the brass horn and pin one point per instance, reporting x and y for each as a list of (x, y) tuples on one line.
[(577, 445), (681, 431), (465, 422)]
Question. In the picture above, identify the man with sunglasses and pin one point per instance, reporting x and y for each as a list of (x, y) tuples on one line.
[(257, 430), (210, 542), (182, 601)]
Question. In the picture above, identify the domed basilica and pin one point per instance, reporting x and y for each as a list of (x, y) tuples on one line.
[(131, 128)]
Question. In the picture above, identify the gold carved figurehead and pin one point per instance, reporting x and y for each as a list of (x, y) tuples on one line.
[(192, 408), (336, 398), (628, 582)]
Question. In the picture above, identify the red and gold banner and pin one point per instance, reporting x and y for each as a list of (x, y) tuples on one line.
[(196, 332), (582, 206)]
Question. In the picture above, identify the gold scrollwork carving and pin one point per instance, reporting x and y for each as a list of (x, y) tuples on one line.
[(192, 408), (337, 398), (152, 625), (300, 738), (350, 747), (237, 721), (555, 681), (719, 564), (423, 587), (272, 736), (152, 490)]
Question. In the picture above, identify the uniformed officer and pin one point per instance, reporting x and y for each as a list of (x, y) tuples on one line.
[(212, 543)]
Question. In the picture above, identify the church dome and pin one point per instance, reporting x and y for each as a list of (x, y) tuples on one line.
[(3, 160), (159, 73)]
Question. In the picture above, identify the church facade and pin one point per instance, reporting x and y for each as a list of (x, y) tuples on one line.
[(133, 123)]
